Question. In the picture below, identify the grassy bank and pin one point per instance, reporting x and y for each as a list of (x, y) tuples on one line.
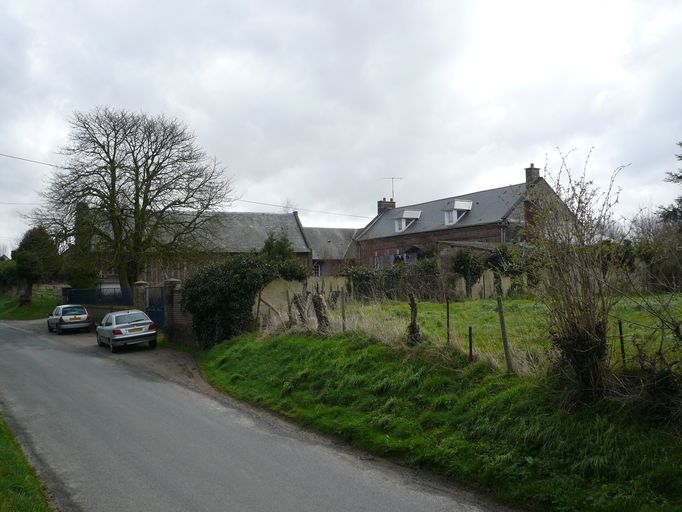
[(40, 306), (463, 420), (20, 489)]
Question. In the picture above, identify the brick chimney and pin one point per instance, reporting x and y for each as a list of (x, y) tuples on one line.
[(384, 205), (532, 175)]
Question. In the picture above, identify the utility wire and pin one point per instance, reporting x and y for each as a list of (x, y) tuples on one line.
[(29, 160), (303, 209), (240, 200)]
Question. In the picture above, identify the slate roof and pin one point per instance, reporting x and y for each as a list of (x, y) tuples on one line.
[(239, 232), (330, 243), (489, 207)]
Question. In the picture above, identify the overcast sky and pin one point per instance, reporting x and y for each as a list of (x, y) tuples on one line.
[(312, 104)]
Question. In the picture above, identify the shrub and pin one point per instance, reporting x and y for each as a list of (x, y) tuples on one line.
[(8, 275), (220, 297), (469, 266), (396, 282)]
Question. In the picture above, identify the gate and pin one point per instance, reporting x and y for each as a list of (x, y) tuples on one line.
[(155, 306)]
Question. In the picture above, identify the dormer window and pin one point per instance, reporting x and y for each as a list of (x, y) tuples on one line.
[(455, 210), (406, 219)]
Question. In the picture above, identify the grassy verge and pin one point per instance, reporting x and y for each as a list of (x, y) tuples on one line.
[(40, 306), (20, 489), (466, 421)]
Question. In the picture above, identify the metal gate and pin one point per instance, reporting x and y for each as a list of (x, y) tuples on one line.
[(155, 306)]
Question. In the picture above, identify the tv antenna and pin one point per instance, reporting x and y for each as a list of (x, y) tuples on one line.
[(393, 178)]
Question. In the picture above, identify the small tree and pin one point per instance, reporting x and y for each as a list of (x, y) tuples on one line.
[(8, 275), (673, 213), (502, 262), (469, 266), (37, 260)]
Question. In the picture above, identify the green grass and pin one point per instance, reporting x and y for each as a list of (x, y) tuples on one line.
[(476, 425), (20, 489), (40, 306)]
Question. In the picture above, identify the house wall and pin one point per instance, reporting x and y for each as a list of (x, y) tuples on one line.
[(387, 247)]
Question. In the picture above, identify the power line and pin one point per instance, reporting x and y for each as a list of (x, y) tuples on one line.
[(240, 200), (29, 160), (304, 209)]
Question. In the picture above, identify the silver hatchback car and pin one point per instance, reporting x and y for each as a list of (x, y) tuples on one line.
[(69, 317), (121, 328)]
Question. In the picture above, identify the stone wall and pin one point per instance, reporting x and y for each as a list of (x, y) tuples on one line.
[(271, 308)]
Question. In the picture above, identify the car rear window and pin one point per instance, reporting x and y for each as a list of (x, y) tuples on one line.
[(74, 310), (129, 318)]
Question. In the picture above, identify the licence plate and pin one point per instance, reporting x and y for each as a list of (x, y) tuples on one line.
[(136, 329), (75, 318)]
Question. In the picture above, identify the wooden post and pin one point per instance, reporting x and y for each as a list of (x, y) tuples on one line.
[(471, 344), (343, 310), (413, 334), (622, 342), (447, 315), (503, 325)]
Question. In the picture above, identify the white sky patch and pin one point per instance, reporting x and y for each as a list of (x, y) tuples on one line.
[(316, 103)]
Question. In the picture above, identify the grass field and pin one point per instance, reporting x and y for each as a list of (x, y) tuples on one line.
[(467, 421), (20, 489), (526, 321), (40, 306)]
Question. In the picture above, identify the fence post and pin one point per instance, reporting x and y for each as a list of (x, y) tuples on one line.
[(503, 324), (622, 342), (447, 316), (471, 344), (343, 310)]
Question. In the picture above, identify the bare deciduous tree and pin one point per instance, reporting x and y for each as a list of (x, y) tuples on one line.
[(150, 190)]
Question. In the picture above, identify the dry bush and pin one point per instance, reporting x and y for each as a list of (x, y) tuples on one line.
[(577, 279)]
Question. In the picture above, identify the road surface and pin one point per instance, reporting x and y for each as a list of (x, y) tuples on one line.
[(108, 435)]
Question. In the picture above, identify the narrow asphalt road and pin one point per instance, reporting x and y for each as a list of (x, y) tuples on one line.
[(110, 436)]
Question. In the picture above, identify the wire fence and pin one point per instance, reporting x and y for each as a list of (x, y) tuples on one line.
[(473, 328)]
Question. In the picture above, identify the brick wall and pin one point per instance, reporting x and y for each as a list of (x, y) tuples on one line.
[(386, 247)]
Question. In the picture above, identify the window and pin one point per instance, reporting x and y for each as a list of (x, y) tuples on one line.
[(400, 225), (316, 268), (450, 217)]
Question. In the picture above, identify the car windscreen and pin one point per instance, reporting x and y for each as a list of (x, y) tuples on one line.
[(129, 318), (73, 310)]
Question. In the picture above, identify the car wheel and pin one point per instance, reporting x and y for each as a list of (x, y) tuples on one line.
[(49, 329), (152, 343), (112, 348), (59, 330), (99, 342)]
